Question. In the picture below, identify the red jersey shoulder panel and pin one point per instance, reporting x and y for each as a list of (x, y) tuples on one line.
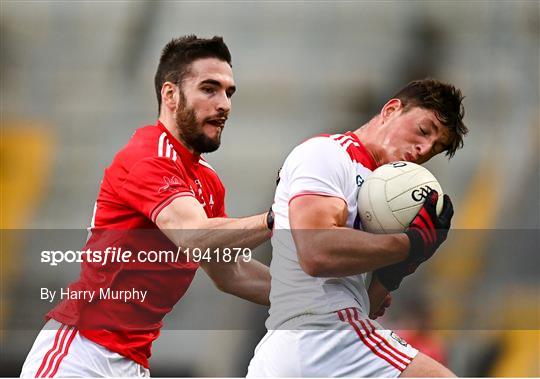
[(140, 178), (354, 148)]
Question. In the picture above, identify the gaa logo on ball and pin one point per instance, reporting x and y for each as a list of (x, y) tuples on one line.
[(392, 196), (421, 193)]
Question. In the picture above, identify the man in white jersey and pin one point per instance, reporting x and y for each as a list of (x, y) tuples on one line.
[(328, 276)]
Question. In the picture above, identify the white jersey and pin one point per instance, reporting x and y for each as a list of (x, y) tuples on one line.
[(328, 165)]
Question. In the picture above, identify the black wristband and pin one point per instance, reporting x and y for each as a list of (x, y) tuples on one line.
[(270, 219), (416, 249)]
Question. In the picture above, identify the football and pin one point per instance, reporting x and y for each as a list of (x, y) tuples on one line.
[(392, 196)]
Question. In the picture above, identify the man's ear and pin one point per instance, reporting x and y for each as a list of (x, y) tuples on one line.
[(389, 108), (169, 95)]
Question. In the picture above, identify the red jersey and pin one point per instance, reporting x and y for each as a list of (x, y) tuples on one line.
[(145, 176)]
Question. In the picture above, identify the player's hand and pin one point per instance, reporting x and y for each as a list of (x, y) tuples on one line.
[(427, 231), (374, 314), (379, 298)]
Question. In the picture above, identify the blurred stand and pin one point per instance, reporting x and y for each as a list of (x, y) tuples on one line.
[(85, 69)]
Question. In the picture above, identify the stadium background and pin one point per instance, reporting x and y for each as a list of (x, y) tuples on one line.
[(77, 79)]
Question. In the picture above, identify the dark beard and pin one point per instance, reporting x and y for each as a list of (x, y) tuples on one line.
[(191, 132)]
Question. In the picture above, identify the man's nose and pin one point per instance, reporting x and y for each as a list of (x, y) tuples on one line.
[(422, 149), (223, 103)]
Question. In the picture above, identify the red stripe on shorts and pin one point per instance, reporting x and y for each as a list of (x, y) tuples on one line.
[(64, 353), (379, 344), (53, 348), (374, 330), (65, 332), (366, 342)]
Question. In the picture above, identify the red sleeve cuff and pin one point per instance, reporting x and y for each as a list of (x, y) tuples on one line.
[(154, 214)]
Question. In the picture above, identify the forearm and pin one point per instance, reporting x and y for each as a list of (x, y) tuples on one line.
[(218, 233), (248, 280), (339, 252)]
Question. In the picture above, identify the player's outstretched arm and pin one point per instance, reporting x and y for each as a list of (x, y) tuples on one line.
[(185, 223), (248, 280), (327, 249)]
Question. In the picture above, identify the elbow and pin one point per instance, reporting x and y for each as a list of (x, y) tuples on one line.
[(314, 263), (224, 276), (222, 286)]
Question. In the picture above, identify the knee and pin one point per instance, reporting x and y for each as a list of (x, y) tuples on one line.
[(424, 366)]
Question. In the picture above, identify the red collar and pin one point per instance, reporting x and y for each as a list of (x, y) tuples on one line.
[(370, 161), (185, 154)]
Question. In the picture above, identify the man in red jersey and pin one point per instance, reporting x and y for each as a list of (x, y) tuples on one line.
[(158, 194)]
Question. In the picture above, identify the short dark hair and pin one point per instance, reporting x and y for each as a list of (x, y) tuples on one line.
[(444, 100), (178, 55)]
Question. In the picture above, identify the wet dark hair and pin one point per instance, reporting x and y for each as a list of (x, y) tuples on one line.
[(178, 55), (444, 100)]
